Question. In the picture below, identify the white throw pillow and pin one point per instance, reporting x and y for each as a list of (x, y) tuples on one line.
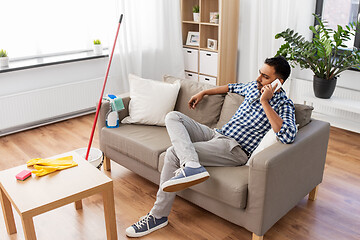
[(150, 100), (268, 140)]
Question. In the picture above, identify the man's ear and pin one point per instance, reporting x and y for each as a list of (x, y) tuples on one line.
[(282, 81)]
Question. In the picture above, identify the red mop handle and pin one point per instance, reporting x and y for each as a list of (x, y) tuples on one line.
[(102, 92)]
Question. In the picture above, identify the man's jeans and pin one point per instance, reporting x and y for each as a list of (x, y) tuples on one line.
[(192, 141)]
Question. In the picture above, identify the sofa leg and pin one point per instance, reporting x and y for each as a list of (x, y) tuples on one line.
[(107, 165), (256, 237), (313, 193)]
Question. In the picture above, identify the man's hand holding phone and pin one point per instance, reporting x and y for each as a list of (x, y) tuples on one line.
[(268, 90)]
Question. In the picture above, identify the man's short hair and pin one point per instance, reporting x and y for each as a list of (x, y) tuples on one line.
[(282, 67)]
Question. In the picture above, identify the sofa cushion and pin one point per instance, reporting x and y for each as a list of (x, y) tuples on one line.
[(231, 104), (143, 143), (303, 114), (207, 111), (226, 184)]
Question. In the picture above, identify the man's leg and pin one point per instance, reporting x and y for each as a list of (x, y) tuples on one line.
[(218, 151), (221, 151), (182, 131), (157, 218), (164, 200)]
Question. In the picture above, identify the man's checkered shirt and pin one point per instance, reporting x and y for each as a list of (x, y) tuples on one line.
[(250, 124)]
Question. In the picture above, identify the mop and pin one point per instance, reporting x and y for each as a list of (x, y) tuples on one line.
[(97, 151)]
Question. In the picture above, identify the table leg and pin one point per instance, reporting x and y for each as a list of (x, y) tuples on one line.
[(78, 205), (109, 212), (8, 213), (28, 226)]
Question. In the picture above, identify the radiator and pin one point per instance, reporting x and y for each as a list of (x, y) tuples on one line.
[(47, 105), (341, 111)]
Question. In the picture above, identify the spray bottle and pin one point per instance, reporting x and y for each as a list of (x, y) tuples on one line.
[(112, 117)]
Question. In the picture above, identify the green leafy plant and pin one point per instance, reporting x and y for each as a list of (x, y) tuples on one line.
[(3, 53), (97, 42), (196, 9), (217, 16), (324, 55)]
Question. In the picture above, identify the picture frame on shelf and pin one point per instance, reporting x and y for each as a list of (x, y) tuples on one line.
[(212, 44), (214, 17), (193, 39)]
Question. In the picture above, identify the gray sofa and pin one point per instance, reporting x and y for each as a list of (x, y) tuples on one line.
[(255, 196)]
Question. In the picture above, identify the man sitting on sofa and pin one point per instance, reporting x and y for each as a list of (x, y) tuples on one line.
[(194, 144)]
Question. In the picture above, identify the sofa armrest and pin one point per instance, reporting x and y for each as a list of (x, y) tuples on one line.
[(105, 107), (281, 175)]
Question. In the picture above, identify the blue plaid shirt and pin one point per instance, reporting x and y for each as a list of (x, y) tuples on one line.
[(250, 124)]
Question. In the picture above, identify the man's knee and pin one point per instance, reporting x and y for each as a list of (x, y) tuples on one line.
[(170, 156), (173, 116), (170, 152)]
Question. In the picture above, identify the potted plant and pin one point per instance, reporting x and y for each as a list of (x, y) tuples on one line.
[(97, 47), (4, 59), (324, 55), (196, 10)]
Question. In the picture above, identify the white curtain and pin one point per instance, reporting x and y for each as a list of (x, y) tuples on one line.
[(149, 41), (260, 21)]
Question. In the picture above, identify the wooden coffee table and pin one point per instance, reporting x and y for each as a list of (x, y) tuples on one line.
[(37, 195)]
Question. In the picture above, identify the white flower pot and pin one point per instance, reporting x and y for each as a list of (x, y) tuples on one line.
[(97, 49), (196, 17), (4, 61)]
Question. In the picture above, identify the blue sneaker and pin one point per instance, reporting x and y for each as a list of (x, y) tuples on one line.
[(184, 178), (147, 224)]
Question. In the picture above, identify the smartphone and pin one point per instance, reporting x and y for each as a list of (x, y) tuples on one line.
[(279, 85)]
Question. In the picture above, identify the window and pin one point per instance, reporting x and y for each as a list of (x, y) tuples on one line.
[(341, 13), (42, 27)]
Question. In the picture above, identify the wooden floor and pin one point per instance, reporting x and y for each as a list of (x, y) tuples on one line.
[(335, 215)]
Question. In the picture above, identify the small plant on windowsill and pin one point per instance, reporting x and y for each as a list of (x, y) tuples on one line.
[(97, 47), (4, 59), (196, 11)]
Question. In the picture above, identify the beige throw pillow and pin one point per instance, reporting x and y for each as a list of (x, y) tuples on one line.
[(303, 114), (207, 111)]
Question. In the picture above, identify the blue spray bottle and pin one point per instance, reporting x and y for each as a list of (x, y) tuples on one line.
[(112, 117)]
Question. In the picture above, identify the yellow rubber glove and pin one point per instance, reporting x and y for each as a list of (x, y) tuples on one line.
[(41, 171), (63, 161), (46, 166)]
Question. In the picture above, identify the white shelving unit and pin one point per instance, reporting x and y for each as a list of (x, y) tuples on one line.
[(215, 66)]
